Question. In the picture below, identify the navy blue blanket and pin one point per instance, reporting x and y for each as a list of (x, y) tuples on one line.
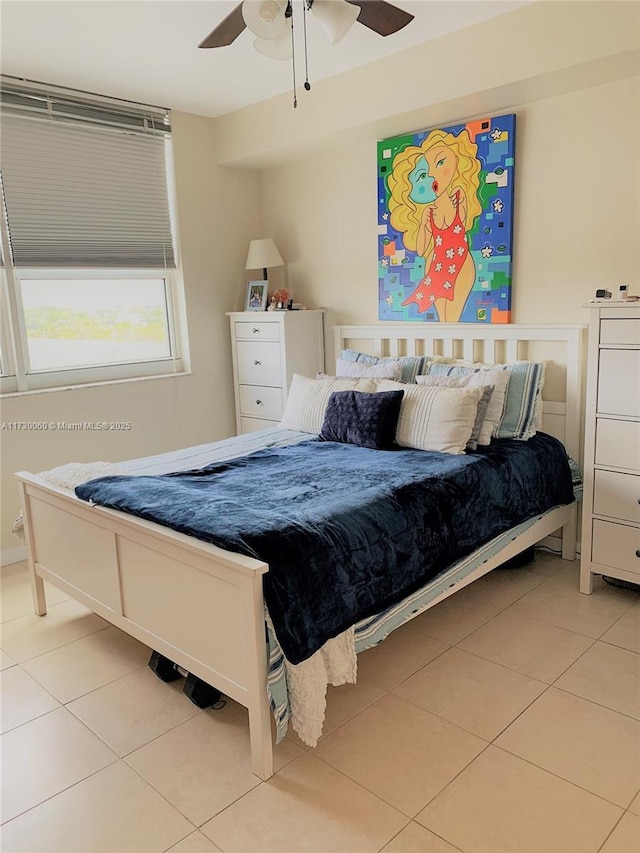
[(347, 531)]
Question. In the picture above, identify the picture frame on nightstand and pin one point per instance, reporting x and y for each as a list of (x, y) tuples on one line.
[(256, 296)]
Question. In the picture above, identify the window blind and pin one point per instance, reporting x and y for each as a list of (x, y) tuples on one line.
[(85, 179)]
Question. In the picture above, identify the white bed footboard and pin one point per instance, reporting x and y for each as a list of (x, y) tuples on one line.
[(198, 605)]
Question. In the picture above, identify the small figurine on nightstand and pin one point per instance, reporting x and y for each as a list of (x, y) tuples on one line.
[(281, 297), (272, 304)]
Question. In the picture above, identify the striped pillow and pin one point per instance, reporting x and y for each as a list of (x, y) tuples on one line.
[(435, 418), (411, 365), (523, 396), (308, 398), (482, 425)]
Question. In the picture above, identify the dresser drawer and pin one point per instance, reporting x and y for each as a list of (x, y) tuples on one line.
[(624, 332), (616, 545), (617, 495), (259, 363), (261, 330), (618, 444), (619, 382), (254, 424), (260, 402)]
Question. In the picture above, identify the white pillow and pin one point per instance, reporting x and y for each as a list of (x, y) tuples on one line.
[(435, 418), (500, 381), (308, 399), (355, 369)]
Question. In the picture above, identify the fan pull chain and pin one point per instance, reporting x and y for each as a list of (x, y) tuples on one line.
[(293, 61), (306, 5)]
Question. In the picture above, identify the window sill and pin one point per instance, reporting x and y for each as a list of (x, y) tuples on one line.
[(8, 395)]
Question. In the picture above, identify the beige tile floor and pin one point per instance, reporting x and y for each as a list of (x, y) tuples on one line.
[(505, 719)]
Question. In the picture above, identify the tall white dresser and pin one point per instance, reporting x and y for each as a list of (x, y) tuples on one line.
[(611, 508), (268, 347)]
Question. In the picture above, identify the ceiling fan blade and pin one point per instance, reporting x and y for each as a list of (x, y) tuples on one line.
[(227, 31), (381, 17)]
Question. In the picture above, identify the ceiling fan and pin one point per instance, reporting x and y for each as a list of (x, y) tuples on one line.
[(267, 20)]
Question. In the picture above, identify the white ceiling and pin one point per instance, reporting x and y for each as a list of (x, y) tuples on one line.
[(146, 50)]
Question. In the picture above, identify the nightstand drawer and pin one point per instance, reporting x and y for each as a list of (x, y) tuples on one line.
[(254, 424), (261, 330), (624, 332), (260, 402), (259, 362), (617, 495), (616, 545), (619, 382), (618, 444)]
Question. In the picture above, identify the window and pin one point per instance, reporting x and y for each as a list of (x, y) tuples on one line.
[(87, 238)]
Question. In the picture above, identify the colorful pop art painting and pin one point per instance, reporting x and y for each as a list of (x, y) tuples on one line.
[(445, 223)]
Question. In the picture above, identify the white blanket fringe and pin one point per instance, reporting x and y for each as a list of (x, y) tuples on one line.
[(71, 475), (335, 663)]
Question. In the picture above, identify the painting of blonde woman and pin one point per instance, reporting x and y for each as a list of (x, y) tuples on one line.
[(445, 223)]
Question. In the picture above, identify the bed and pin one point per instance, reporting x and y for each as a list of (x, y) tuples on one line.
[(161, 585)]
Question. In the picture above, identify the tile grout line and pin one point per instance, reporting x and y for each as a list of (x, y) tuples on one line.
[(486, 622), (62, 791), (557, 776), (613, 828), (82, 695), (62, 645), (597, 704), (571, 630), (30, 612), (419, 825)]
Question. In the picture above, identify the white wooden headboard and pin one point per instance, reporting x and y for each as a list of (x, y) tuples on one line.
[(561, 347)]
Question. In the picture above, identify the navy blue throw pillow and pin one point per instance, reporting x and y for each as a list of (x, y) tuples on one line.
[(368, 420)]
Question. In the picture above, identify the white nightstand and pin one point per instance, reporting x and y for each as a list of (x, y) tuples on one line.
[(611, 507), (268, 347)]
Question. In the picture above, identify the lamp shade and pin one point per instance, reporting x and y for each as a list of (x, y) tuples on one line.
[(336, 17), (263, 254)]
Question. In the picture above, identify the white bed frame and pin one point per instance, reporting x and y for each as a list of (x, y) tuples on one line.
[(201, 606)]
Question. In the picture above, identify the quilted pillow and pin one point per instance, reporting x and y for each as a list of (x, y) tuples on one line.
[(433, 418), (455, 376), (522, 399), (391, 369), (368, 420), (308, 398), (410, 365)]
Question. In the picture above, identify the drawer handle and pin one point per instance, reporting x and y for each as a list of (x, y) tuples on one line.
[(256, 362), (256, 331), (258, 402)]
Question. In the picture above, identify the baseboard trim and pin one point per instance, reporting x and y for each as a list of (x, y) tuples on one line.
[(13, 555)]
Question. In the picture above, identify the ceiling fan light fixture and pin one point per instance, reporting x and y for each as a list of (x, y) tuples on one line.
[(279, 48), (265, 18), (335, 16)]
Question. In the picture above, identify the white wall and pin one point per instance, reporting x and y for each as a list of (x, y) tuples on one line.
[(218, 213), (577, 215)]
